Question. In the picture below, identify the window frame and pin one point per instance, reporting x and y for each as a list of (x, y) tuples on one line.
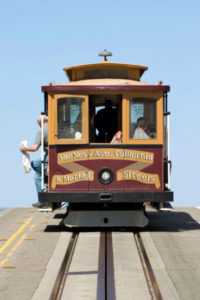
[(54, 120), (159, 117)]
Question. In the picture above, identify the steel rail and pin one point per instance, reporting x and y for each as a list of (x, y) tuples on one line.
[(110, 289), (62, 274), (150, 277), (106, 262)]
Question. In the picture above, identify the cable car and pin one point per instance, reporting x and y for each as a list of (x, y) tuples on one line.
[(108, 145)]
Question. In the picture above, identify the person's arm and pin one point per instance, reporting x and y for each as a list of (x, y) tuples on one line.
[(35, 147), (30, 148)]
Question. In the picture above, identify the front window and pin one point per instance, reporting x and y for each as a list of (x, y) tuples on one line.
[(70, 118), (142, 118)]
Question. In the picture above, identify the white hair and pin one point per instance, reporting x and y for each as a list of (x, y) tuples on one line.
[(45, 118)]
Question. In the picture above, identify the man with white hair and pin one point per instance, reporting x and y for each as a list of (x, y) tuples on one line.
[(36, 164)]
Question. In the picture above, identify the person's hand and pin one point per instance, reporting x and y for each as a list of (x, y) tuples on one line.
[(22, 149)]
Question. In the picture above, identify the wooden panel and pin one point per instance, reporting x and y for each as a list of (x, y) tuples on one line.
[(50, 118), (124, 121), (76, 168), (134, 74), (77, 75)]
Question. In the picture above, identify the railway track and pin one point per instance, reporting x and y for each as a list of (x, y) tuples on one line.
[(149, 274), (106, 289), (62, 274)]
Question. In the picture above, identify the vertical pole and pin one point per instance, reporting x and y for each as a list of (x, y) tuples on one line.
[(46, 103), (42, 152), (168, 152), (165, 102), (167, 115)]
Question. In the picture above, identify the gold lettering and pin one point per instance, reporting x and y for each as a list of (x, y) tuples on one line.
[(125, 175), (100, 153), (58, 179), (72, 178), (139, 176)]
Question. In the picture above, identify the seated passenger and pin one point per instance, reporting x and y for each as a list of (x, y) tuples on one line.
[(141, 130), (106, 123)]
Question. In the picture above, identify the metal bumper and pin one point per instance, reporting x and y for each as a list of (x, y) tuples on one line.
[(106, 219), (105, 197)]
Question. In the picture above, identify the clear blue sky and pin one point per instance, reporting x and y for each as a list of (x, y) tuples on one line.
[(39, 38)]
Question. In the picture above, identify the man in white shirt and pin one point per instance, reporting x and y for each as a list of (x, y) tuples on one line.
[(36, 164)]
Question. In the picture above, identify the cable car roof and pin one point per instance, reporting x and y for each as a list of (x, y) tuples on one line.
[(105, 65), (105, 81), (105, 76)]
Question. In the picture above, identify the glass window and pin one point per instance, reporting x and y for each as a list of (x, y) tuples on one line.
[(113, 73), (142, 118), (70, 118), (92, 74)]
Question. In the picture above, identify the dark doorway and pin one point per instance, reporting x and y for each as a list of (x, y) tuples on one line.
[(105, 117)]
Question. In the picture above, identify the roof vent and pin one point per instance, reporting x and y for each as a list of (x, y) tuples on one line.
[(105, 53)]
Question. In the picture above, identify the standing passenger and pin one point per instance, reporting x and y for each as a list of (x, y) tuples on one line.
[(106, 123), (36, 164)]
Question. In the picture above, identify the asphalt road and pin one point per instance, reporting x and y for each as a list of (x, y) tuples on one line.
[(32, 246)]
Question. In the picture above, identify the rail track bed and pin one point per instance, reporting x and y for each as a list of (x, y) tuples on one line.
[(161, 262), (104, 278)]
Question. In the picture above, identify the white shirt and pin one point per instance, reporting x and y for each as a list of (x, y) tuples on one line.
[(140, 134)]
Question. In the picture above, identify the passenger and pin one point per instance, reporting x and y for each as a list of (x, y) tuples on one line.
[(106, 123), (36, 164), (141, 130), (117, 139)]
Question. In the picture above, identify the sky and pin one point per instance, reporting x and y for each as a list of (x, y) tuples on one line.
[(39, 38)]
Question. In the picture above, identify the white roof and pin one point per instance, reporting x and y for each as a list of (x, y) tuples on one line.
[(105, 81)]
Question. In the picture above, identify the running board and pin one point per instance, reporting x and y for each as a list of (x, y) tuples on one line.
[(107, 218)]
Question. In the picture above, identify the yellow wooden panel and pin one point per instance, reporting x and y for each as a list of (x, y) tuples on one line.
[(77, 75), (134, 74), (125, 115), (160, 119), (50, 118)]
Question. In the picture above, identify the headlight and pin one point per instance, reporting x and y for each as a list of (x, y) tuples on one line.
[(105, 176)]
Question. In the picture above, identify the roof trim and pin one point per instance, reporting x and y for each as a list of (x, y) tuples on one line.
[(75, 88), (103, 64)]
